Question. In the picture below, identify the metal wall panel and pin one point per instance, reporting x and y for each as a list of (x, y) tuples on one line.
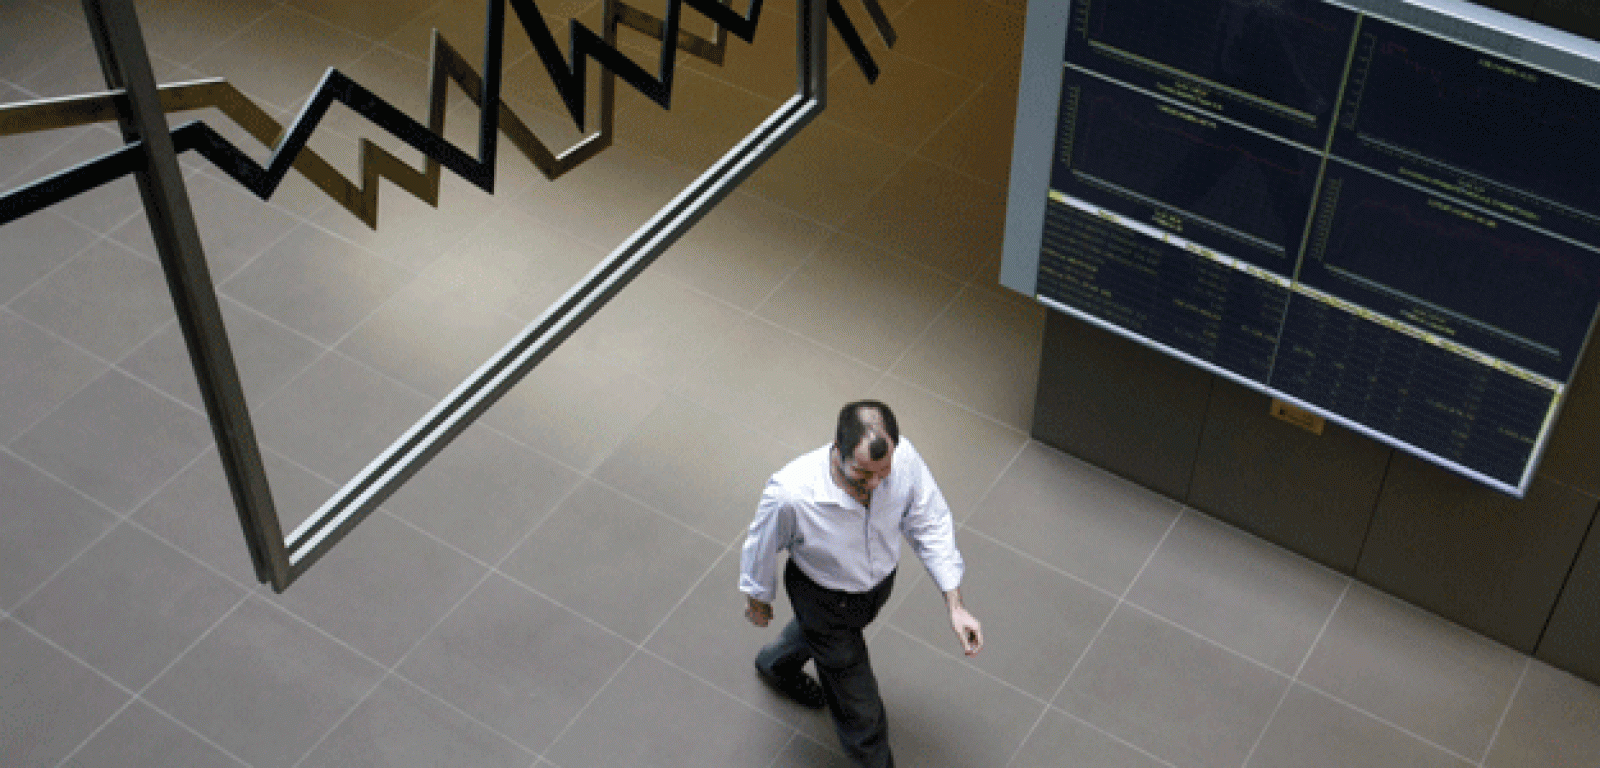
[(1311, 493), (1120, 405), (1572, 639), (1571, 456), (1580, 17), (1474, 556)]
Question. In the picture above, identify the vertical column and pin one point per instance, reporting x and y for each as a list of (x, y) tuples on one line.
[(120, 44)]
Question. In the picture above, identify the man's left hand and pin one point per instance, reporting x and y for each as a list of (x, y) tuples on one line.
[(968, 630)]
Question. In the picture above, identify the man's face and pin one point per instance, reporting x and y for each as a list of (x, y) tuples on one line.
[(859, 471)]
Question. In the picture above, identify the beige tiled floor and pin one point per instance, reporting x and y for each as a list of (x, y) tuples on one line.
[(556, 590)]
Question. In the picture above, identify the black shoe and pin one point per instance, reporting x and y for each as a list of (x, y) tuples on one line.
[(801, 687)]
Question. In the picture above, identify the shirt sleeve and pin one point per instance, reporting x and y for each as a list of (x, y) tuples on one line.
[(770, 531), (928, 526)]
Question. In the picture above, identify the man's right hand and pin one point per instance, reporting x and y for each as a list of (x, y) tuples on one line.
[(757, 612)]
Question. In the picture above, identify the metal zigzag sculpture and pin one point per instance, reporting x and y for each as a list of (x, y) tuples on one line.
[(140, 106), (446, 65)]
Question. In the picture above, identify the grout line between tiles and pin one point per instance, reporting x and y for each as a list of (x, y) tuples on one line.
[(1036, 561), (116, 517), (785, 746), (1327, 620), (1103, 732), (1527, 664), (1392, 724), (139, 694), (1097, 633)]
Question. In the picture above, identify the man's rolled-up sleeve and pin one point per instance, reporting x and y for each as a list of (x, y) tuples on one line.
[(770, 531)]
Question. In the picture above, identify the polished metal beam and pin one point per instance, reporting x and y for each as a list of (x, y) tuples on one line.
[(120, 44)]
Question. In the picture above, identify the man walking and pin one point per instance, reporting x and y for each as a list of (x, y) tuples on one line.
[(840, 511)]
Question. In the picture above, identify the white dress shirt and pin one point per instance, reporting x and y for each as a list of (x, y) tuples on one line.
[(837, 542)]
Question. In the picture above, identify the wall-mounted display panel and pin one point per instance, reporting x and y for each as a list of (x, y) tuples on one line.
[(1386, 212)]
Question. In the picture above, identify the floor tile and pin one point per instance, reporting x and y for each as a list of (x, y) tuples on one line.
[(860, 301), (37, 371), (516, 662), (45, 524), (966, 452), (337, 417), (635, 719), (45, 686), (195, 511), (941, 711), (49, 31), (280, 57), (1245, 593), (1554, 719), (603, 201), (316, 284), (107, 300), (1313, 731), (1414, 669), (764, 66), (1060, 741), (976, 140), (970, 38), (707, 119), (1036, 621), (612, 560), (826, 172), (185, 29), (129, 605), (515, 262), (399, 725), (708, 636), (358, 17), (266, 356), (786, 386), (116, 441), (657, 328), (807, 753), (102, 208), (1184, 699), (140, 735), (430, 337), (705, 468), (983, 353), (904, 107), (934, 217), (1075, 517), (263, 685), (234, 225), (381, 587), (35, 246), (410, 232), (574, 408), (19, 151), (462, 25), (483, 493), (742, 250)]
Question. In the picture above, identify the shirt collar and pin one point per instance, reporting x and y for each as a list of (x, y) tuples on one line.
[(824, 489)]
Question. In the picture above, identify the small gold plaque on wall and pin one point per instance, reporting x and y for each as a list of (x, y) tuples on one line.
[(1299, 417)]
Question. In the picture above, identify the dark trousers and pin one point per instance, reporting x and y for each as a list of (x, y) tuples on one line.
[(826, 629)]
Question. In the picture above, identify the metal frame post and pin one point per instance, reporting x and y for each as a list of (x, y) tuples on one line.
[(119, 42)]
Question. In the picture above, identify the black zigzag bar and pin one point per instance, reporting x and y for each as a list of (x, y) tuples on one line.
[(569, 79)]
